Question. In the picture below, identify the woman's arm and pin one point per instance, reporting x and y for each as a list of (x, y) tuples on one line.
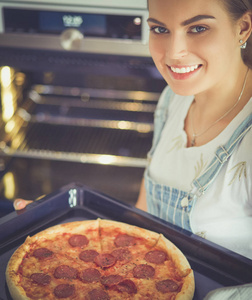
[(141, 202)]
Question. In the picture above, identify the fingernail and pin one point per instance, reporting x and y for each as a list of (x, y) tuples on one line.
[(19, 203)]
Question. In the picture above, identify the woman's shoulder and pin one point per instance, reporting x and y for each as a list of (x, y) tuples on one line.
[(245, 147), (239, 169), (243, 121), (165, 97), (241, 160)]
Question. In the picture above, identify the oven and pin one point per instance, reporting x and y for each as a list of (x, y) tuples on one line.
[(78, 92)]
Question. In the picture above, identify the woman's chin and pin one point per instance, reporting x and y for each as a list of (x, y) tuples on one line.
[(182, 91)]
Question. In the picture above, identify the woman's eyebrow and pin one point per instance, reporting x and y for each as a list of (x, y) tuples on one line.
[(184, 23), (155, 21), (195, 19)]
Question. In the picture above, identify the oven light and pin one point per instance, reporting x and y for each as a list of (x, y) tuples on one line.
[(134, 106), (8, 94), (16, 142), (7, 105), (137, 21), (9, 126), (106, 159), (144, 128), (124, 125), (138, 96), (6, 77), (9, 186)]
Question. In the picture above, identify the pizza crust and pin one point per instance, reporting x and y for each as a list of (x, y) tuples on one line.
[(12, 277), (132, 230), (183, 265), (71, 227)]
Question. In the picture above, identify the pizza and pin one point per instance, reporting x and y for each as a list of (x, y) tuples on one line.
[(99, 260)]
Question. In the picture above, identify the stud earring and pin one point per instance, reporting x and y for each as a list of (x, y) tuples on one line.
[(243, 45)]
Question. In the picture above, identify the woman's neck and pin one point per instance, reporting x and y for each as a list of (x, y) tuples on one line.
[(213, 103), (214, 109)]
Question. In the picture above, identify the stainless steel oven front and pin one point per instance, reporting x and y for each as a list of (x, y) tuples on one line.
[(96, 26)]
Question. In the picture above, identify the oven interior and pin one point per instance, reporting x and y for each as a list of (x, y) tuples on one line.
[(75, 117)]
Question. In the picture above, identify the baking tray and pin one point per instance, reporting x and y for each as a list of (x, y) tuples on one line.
[(213, 266)]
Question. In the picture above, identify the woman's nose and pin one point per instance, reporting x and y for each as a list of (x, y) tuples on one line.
[(177, 47)]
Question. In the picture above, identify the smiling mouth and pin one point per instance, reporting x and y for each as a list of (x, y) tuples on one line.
[(184, 70)]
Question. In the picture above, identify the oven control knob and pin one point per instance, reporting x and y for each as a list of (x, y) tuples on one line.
[(71, 39)]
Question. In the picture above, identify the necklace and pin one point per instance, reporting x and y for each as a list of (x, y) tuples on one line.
[(194, 135)]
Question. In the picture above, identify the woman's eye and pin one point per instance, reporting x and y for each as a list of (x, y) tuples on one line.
[(159, 29), (198, 29)]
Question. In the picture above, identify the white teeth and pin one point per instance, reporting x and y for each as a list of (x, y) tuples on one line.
[(184, 69)]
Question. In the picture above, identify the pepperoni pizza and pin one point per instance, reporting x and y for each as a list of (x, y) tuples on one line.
[(99, 259)]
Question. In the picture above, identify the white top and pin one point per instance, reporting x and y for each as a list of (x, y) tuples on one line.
[(224, 213)]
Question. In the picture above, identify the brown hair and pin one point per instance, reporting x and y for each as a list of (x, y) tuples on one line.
[(237, 8)]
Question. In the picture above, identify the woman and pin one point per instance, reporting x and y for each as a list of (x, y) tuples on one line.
[(201, 48)]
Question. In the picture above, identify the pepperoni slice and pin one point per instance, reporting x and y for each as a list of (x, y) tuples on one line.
[(90, 275), (78, 240), (64, 290), (122, 254), (143, 271), (124, 240), (127, 286), (156, 257), (105, 260), (98, 294), (40, 278), (65, 271), (111, 280), (88, 255), (42, 253), (167, 286)]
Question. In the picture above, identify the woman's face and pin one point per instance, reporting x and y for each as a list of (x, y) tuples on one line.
[(194, 44)]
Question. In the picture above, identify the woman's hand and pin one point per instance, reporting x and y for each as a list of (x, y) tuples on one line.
[(21, 203), (141, 202)]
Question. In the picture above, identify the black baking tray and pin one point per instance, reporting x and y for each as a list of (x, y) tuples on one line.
[(213, 266)]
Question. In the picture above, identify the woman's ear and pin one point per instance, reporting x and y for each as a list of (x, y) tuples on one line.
[(245, 26)]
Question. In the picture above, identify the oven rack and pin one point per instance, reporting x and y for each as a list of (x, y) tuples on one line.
[(107, 127)]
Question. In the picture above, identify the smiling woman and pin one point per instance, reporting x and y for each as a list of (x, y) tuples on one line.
[(200, 171), (180, 40)]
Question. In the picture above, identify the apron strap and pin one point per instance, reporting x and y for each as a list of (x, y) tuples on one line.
[(160, 117), (223, 152)]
